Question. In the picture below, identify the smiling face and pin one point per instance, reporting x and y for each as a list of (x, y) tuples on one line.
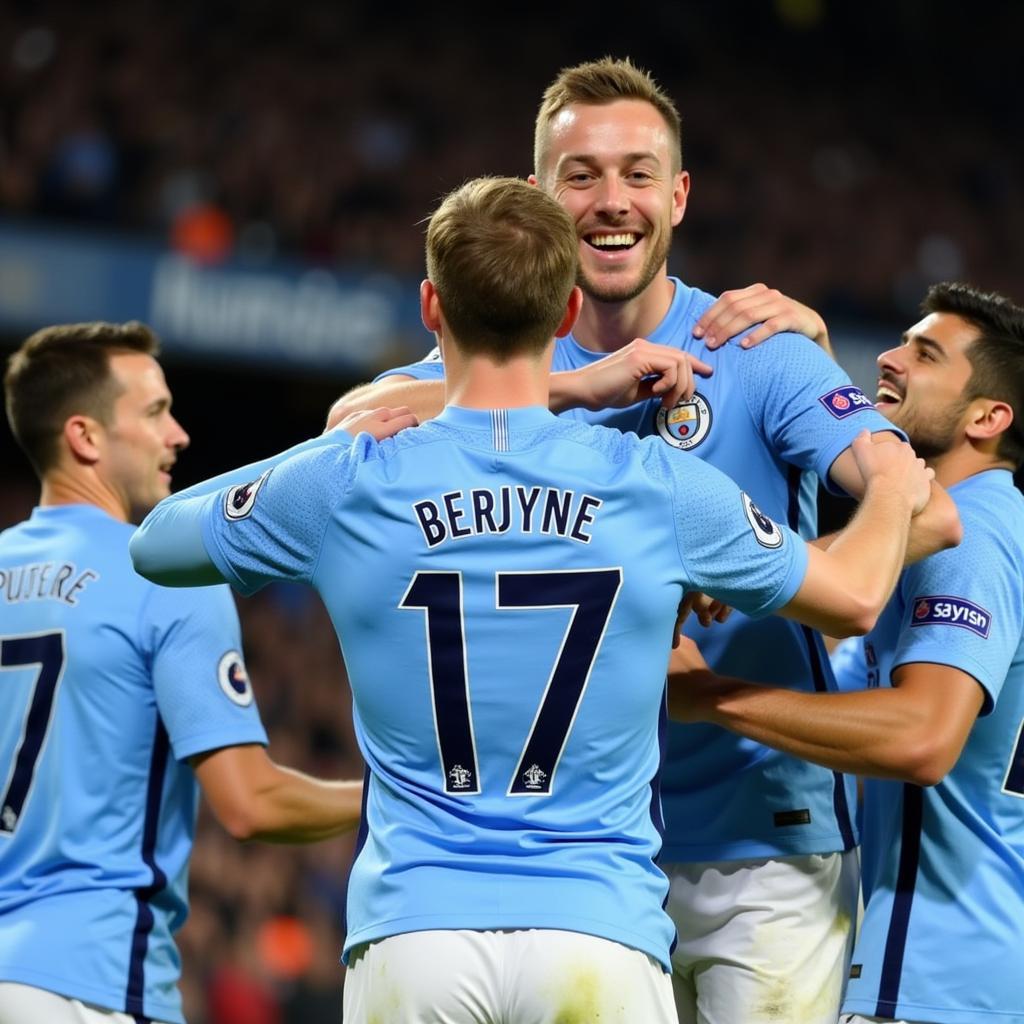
[(142, 439), (922, 382), (612, 167)]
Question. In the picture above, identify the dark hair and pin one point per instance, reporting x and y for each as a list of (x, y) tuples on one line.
[(502, 256), (996, 355), (61, 371), (597, 83)]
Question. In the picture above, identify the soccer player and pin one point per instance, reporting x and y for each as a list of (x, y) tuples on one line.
[(936, 722), (768, 836), (116, 695), (503, 582)]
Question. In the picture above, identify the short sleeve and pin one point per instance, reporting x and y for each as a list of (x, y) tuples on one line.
[(964, 607), (804, 403), (202, 688), (272, 528), (430, 367), (728, 548)]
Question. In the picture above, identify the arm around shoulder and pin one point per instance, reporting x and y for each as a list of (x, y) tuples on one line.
[(424, 398)]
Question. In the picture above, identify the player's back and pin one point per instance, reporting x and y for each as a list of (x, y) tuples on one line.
[(504, 585), (89, 790)]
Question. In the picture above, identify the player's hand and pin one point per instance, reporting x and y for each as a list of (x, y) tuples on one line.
[(893, 463), (638, 371), (691, 683), (936, 527), (380, 423), (735, 311), (707, 609), (685, 658)]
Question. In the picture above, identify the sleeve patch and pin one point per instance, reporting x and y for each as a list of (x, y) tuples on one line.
[(238, 502), (234, 680), (943, 610), (768, 535), (845, 401)]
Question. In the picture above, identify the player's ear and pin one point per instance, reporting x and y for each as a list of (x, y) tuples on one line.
[(572, 312), (82, 435), (680, 193), (430, 307), (988, 418)]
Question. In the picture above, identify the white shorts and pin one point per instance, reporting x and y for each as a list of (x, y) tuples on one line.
[(533, 976), (761, 940), (26, 1004)]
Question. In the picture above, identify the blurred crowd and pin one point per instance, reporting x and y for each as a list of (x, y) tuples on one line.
[(845, 157)]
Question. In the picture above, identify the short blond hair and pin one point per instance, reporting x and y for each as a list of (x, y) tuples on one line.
[(502, 256), (597, 83)]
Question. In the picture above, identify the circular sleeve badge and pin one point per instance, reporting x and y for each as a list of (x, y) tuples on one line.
[(766, 532), (234, 680)]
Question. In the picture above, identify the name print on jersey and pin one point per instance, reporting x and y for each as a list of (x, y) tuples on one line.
[(549, 510), (44, 581)]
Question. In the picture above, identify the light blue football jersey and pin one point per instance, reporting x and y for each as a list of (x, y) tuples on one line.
[(943, 867), (850, 666), (504, 586), (107, 683), (774, 419)]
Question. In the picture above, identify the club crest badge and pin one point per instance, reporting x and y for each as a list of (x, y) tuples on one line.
[(766, 532), (238, 502), (686, 424), (234, 680)]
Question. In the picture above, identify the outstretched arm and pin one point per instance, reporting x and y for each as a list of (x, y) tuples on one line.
[(255, 798), (168, 548), (847, 585), (914, 731)]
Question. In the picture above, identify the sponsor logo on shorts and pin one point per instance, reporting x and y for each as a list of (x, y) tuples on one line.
[(238, 502), (686, 424), (234, 680), (845, 401), (943, 610)]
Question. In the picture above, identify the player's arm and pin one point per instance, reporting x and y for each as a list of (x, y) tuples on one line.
[(846, 586), (423, 398), (935, 528), (169, 547), (773, 313), (914, 731), (634, 373), (255, 798)]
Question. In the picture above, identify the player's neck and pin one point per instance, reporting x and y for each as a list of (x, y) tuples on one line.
[(608, 326), (964, 461), (479, 383), (60, 487)]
